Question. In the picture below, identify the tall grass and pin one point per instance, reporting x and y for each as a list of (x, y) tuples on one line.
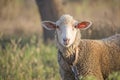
[(31, 62)]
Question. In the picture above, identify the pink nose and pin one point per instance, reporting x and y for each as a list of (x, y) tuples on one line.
[(66, 41)]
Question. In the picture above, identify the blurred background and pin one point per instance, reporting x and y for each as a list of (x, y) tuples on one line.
[(27, 51)]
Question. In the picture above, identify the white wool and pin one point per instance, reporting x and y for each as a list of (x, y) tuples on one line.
[(66, 19)]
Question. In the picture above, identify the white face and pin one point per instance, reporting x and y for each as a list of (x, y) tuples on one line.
[(66, 28), (66, 33)]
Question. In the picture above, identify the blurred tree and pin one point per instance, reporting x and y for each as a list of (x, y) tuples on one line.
[(49, 10)]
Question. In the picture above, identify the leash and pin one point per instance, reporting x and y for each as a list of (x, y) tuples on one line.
[(73, 65), (76, 74)]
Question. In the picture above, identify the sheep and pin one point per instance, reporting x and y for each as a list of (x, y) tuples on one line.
[(96, 58)]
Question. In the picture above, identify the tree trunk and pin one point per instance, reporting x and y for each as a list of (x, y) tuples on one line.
[(49, 10)]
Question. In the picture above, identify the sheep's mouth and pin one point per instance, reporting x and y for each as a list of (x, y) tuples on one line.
[(66, 45)]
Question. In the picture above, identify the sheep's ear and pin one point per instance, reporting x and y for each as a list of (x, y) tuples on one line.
[(49, 25), (84, 25)]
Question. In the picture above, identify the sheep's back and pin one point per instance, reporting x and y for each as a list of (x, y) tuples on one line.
[(113, 40), (111, 57)]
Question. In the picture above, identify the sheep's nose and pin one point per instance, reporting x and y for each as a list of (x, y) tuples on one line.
[(66, 41)]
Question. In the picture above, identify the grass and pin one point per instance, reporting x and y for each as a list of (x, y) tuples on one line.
[(30, 62)]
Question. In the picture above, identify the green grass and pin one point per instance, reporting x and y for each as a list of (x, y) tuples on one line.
[(32, 61)]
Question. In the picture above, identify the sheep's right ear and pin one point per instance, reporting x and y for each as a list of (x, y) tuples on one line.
[(49, 25)]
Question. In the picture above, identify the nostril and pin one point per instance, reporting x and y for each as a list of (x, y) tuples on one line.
[(66, 40)]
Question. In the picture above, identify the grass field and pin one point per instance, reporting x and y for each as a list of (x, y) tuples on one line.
[(31, 61)]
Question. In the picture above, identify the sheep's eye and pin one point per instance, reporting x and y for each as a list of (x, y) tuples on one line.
[(57, 27), (75, 26)]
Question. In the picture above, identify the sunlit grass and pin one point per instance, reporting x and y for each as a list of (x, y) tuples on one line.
[(30, 62)]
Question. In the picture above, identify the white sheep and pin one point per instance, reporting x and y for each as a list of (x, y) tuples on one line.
[(83, 57)]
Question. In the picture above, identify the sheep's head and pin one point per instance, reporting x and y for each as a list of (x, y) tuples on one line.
[(66, 28)]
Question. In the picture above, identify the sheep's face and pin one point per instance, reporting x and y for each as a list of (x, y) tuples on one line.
[(66, 28)]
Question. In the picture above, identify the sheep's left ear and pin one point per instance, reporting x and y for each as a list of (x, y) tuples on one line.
[(49, 25), (84, 25)]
